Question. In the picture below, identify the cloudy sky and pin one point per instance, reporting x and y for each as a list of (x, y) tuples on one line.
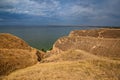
[(60, 12)]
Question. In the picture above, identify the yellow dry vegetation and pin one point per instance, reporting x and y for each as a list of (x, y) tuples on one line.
[(76, 55), (15, 54), (8, 41), (82, 66), (98, 33), (12, 59), (100, 42), (70, 70)]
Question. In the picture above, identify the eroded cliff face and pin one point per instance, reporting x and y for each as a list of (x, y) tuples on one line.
[(15, 54), (101, 42)]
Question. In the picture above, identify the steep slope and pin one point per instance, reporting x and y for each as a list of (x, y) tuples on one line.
[(15, 54), (101, 42), (12, 59)]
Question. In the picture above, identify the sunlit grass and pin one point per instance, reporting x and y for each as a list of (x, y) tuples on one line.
[(82, 66), (69, 70)]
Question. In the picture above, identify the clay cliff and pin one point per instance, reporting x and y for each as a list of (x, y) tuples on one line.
[(101, 42)]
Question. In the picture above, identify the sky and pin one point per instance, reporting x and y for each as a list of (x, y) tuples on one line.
[(60, 12)]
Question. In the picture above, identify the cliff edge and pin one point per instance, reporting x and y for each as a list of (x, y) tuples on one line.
[(15, 54), (101, 42)]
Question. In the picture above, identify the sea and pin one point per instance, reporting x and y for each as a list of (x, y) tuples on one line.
[(41, 37)]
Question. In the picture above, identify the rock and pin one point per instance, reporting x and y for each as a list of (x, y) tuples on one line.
[(40, 55)]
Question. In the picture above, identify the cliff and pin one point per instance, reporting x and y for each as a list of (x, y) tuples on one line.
[(102, 42), (83, 55)]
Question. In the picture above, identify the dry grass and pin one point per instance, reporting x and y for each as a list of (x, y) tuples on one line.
[(71, 55), (15, 54), (8, 41), (101, 42), (71, 65), (75, 55), (98, 33), (69, 70), (12, 59)]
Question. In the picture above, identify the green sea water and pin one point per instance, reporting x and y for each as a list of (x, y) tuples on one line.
[(40, 37)]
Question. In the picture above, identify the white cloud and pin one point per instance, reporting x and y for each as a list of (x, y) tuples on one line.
[(89, 9), (80, 10), (8, 1), (55, 8), (75, 10), (32, 7)]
